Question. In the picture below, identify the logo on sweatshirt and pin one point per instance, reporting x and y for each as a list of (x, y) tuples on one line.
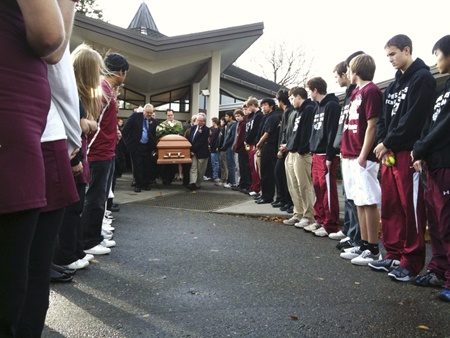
[(395, 99), (446, 192), (441, 101)]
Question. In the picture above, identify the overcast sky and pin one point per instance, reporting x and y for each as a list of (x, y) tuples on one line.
[(329, 32)]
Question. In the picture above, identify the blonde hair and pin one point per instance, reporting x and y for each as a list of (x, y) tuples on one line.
[(88, 66)]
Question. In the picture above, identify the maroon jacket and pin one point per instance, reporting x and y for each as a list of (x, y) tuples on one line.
[(239, 146)]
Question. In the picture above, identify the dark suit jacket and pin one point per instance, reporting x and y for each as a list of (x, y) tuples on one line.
[(132, 132), (200, 143)]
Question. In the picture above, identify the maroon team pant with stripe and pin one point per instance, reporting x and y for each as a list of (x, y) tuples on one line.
[(256, 180), (403, 215), (437, 200), (326, 205)]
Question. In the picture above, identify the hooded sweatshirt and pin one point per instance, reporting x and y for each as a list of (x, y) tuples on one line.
[(325, 124), (301, 131), (407, 103), (434, 146)]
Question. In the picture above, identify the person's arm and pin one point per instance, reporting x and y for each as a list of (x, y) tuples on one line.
[(369, 139), (43, 24), (67, 8)]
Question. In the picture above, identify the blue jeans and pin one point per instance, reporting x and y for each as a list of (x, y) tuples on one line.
[(215, 165), (94, 202), (351, 222), (231, 165)]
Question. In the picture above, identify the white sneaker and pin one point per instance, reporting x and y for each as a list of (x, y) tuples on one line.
[(107, 221), (337, 235), (351, 253), (365, 258), (98, 250), (321, 232), (87, 257), (312, 227), (343, 240), (303, 223), (108, 227), (227, 185), (109, 216), (107, 234), (107, 243), (253, 193), (79, 264), (291, 221)]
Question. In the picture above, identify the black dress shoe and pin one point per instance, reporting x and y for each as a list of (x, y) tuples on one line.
[(285, 207), (277, 204), (147, 188), (192, 186), (244, 191), (136, 189), (257, 197), (63, 270), (262, 201), (57, 277), (290, 210)]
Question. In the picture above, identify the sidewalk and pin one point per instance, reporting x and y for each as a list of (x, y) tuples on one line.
[(244, 205)]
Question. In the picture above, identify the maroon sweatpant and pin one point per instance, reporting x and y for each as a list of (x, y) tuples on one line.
[(326, 206), (403, 215), (437, 200), (256, 180)]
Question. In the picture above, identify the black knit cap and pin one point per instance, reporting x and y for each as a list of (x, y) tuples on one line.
[(116, 62)]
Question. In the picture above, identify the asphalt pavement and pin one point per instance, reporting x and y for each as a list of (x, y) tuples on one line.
[(214, 264)]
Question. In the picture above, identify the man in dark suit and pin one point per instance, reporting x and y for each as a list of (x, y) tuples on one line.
[(199, 138), (139, 135)]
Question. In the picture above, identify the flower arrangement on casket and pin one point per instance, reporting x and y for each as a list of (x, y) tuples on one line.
[(168, 128)]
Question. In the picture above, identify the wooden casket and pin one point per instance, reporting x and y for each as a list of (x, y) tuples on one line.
[(173, 149)]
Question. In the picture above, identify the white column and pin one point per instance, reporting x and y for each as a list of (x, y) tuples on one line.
[(213, 100), (193, 105)]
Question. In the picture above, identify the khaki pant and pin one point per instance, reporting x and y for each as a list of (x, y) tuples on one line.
[(198, 168), (298, 174)]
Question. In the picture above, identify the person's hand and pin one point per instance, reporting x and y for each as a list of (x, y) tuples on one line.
[(74, 153), (280, 154), (417, 165), (328, 165), (362, 162), (78, 169), (380, 151)]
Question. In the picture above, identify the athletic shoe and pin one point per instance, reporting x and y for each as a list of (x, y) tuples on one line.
[(98, 250), (365, 258), (253, 193), (227, 185), (107, 243), (445, 295), (321, 232), (337, 235), (88, 257), (219, 184), (107, 227), (401, 274), (107, 221), (303, 223), (291, 221), (107, 234), (79, 264), (351, 253), (312, 227), (430, 279), (344, 243), (385, 265)]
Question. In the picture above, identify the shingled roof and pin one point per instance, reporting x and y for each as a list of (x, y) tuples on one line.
[(250, 80), (143, 22)]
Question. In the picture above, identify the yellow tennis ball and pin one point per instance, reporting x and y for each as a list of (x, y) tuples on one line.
[(390, 161)]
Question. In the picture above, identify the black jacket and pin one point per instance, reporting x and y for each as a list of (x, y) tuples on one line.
[(407, 103), (325, 124), (434, 146), (132, 132), (252, 127), (301, 132), (199, 141)]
